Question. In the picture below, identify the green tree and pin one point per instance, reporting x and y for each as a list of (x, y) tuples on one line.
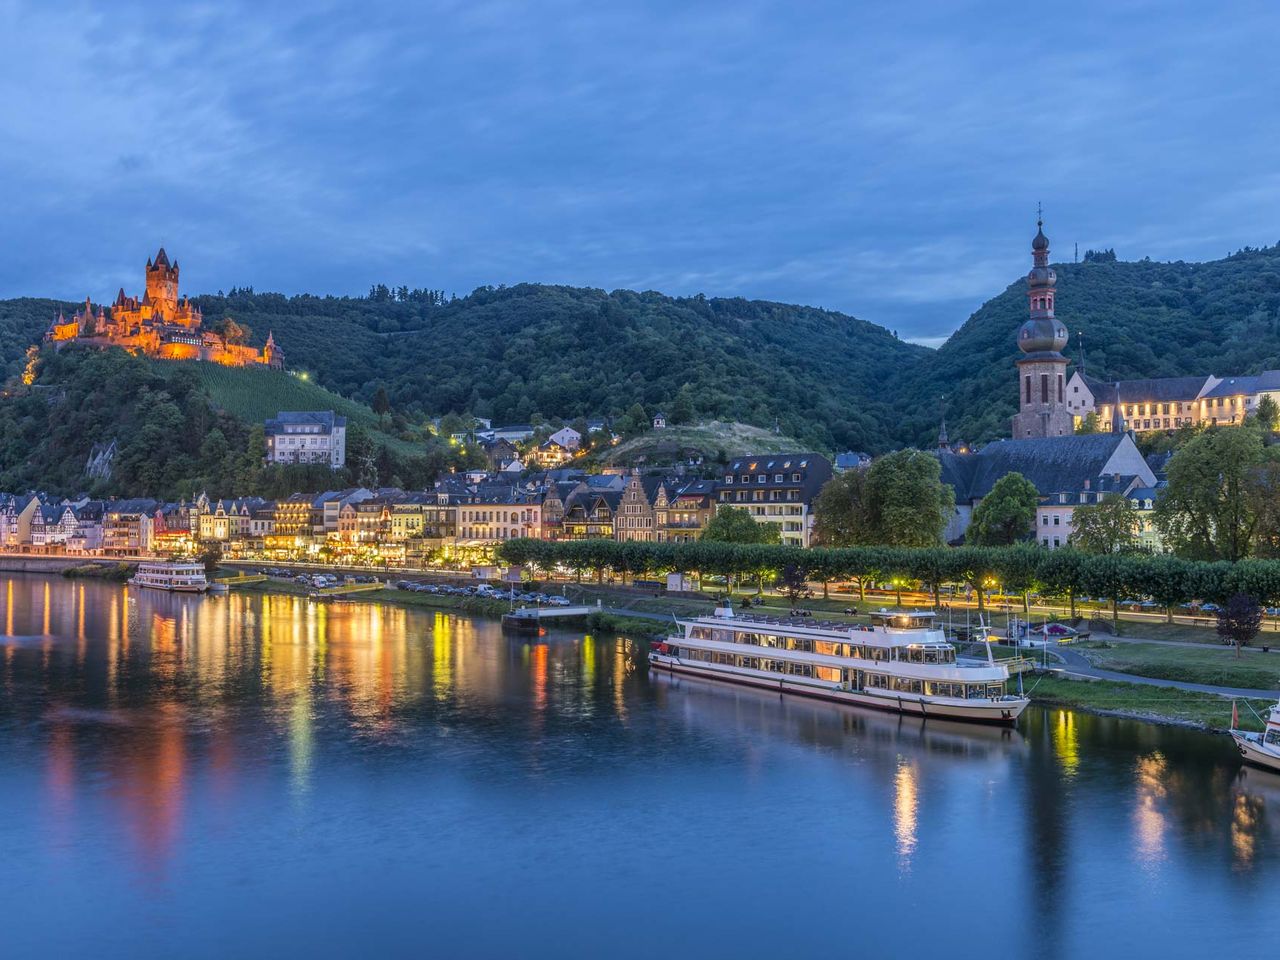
[(1109, 526), (681, 409), (907, 503), (1006, 515), (1267, 414), (736, 525), (381, 404), (1214, 499), (840, 518), (1090, 423), (793, 581)]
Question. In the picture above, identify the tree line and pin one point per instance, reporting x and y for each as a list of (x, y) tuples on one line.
[(1019, 570)]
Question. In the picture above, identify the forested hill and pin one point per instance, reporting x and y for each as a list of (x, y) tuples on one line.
[(1138, 318), (835, 382), (515, 353)]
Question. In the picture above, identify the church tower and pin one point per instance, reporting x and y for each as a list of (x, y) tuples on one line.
[(162, 287), (1042, 369)]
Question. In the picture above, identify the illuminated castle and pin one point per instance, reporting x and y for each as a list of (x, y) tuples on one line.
[(159, 325)]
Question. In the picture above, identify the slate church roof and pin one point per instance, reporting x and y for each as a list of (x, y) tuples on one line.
[(1053, 464)]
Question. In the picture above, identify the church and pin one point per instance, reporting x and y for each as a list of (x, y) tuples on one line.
[(1065, 468), (160, 325)]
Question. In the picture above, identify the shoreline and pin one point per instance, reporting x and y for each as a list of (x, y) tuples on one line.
[(1157, 705)]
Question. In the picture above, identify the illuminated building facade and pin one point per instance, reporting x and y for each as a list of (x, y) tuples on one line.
[(160, 324)]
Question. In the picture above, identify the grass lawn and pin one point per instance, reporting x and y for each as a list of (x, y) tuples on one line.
[(1145, 702), (1217, 666)]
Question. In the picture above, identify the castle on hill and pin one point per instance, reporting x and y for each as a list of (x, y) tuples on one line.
[(160, 325)]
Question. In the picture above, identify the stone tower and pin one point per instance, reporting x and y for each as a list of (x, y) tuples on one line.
[(1042, 369), (162, 287)]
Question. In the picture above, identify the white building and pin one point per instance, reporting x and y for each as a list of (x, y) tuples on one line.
[(567, 437), (307, 437)]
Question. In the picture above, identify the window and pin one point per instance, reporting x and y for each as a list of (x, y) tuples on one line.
[(1044, 388), (1028, 385)]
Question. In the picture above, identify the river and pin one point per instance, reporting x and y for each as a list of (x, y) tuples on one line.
[(259, 775)]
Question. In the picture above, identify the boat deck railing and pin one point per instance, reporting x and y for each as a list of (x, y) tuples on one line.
[(809, 623)]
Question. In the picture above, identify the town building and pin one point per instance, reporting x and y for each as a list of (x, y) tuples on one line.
[(568, 438), (316, 436), (682, 514), (127, 527), (160, 324), (777, 488), (1055, 515), (1056, 466)]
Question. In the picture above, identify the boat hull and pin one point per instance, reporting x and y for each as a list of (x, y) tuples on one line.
[(973, 711), (1250, 747), (169, 589)]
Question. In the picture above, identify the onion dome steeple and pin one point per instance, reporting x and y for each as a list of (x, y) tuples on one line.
[(1042, 333)]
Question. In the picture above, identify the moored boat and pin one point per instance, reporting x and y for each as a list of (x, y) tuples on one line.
[(180, 576), (902, 663), (1261, 749)]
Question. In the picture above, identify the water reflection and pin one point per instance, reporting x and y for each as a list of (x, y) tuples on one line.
[(904, 811), (139, 732)]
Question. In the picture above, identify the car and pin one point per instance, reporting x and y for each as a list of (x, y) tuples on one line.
[(558, 601)]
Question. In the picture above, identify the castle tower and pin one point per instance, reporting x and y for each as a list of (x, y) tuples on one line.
[(162, 287), (1042, 369)]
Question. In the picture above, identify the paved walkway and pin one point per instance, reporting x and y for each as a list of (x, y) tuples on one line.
[(1078, 666)]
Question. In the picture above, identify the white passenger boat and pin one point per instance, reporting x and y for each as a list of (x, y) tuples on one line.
[(184, 576), (902, 662), (1262, 749)]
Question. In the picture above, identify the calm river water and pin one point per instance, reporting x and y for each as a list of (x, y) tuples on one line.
[(249, 775)]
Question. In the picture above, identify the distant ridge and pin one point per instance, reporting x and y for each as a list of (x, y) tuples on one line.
[(831, 381)]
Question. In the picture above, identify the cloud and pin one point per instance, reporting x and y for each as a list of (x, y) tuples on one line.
[(883, 161)]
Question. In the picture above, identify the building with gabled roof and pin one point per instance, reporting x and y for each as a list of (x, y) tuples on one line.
[(307, 436), (1052, 464), (777, 488)]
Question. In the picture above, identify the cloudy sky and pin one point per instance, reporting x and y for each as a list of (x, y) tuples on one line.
[(883, 159)]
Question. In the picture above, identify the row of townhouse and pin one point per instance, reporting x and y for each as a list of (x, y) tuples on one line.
[(479, 509), (476, 509)]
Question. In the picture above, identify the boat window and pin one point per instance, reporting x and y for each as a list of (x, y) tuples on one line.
[(833, 674), (1273, 736)]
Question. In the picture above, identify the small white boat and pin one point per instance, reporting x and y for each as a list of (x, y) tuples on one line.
[(176, 576), (1261, 749)]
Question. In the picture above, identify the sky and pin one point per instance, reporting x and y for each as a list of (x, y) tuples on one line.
[(881, 159)]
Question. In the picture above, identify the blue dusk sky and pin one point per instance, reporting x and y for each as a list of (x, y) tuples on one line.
[(882, 159)]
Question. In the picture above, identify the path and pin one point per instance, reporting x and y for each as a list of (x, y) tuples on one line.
[(1079, 666)]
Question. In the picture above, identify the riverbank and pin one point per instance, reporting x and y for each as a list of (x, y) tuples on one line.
[(1137, 701), (600, 621), (100, 571), (1131, 700)]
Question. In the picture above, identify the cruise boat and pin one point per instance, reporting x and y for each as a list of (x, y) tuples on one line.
[(1261, 749), (184, 576), (902, 662)]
